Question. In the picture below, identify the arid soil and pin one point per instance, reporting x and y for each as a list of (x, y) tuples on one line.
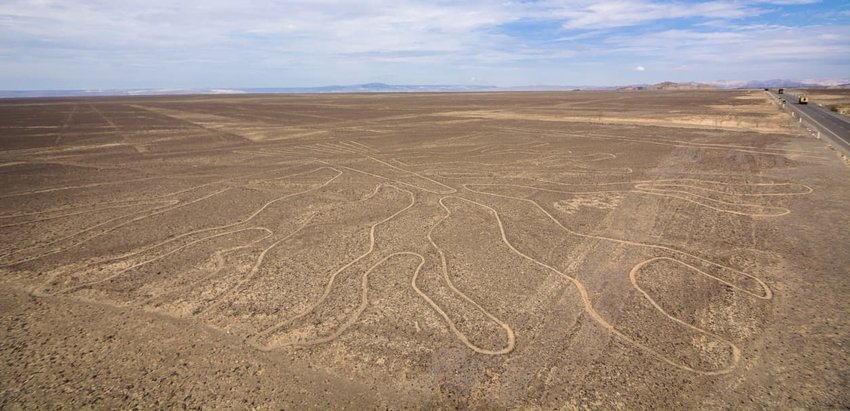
[(633, 249)]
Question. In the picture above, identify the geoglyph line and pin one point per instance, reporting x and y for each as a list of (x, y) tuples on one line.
[(509, 332), (254, 340), (767, 293), (677, 143), (255, 268), (355, 315), (117, 274), (153, 212), (451, 189), (395, 180), (81, 212), (591, 311), (700, 201), (230, 225), (362, 145), (49, 190)]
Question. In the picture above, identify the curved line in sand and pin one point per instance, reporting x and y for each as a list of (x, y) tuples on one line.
[(253, 340), (352, 319), (701, 201), (222, 227), (767, 293), (509, 332), (89, 284), (591, 311)]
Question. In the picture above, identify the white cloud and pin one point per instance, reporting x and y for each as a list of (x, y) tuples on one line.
[(309, 42), (640, 68), (747, 45), (621, 13), (790, 2)]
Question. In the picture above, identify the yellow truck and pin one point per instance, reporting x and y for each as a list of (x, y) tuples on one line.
[(803, 100)]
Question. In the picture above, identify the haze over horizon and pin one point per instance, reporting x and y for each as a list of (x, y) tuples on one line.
[(91, 44)]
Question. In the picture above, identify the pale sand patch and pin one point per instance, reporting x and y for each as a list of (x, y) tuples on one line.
[(760, 124), (602, 201), (247, 130)]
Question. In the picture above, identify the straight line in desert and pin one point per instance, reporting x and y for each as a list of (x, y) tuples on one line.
[(81, 212), (49, 190), (65, 124), (678, 182), (670, 142), (679, 143), (165, 112), (778, 211), (99, 113), (230, 225), (681, 183), (577, 158), (146, 199), (153, 212), (37, 151), (359, 148), (89, 284), (452, 190), (339, 147), (320, 150)]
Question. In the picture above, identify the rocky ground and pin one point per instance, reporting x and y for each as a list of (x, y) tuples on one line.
[(629, 249)]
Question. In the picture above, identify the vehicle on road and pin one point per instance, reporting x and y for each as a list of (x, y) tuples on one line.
[(803, 100), (780, 91)]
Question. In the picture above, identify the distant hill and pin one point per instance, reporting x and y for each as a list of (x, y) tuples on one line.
[(669, 85), (777, 83)]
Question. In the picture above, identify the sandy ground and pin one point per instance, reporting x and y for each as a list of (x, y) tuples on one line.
[(555, 250)]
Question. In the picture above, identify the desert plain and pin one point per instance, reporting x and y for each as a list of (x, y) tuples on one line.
[(572, 250)]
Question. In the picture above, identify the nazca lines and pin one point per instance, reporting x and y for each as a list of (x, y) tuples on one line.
[(395, 177), (675, 189), (122, 220), (231, 227), (767, 294)]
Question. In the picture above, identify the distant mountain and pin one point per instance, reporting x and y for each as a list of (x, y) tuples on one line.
[(669, 85), (776, 83)]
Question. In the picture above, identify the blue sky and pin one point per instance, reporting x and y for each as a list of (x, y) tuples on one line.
[(104, 44)]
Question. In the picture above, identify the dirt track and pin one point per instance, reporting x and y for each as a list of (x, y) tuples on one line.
[(581, 249)]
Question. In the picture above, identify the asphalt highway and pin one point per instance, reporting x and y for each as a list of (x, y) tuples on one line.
[(827, 121)]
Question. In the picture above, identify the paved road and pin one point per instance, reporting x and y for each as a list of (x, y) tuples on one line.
[(827, 121)]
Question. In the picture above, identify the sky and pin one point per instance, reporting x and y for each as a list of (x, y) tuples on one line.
[(126, 44)]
